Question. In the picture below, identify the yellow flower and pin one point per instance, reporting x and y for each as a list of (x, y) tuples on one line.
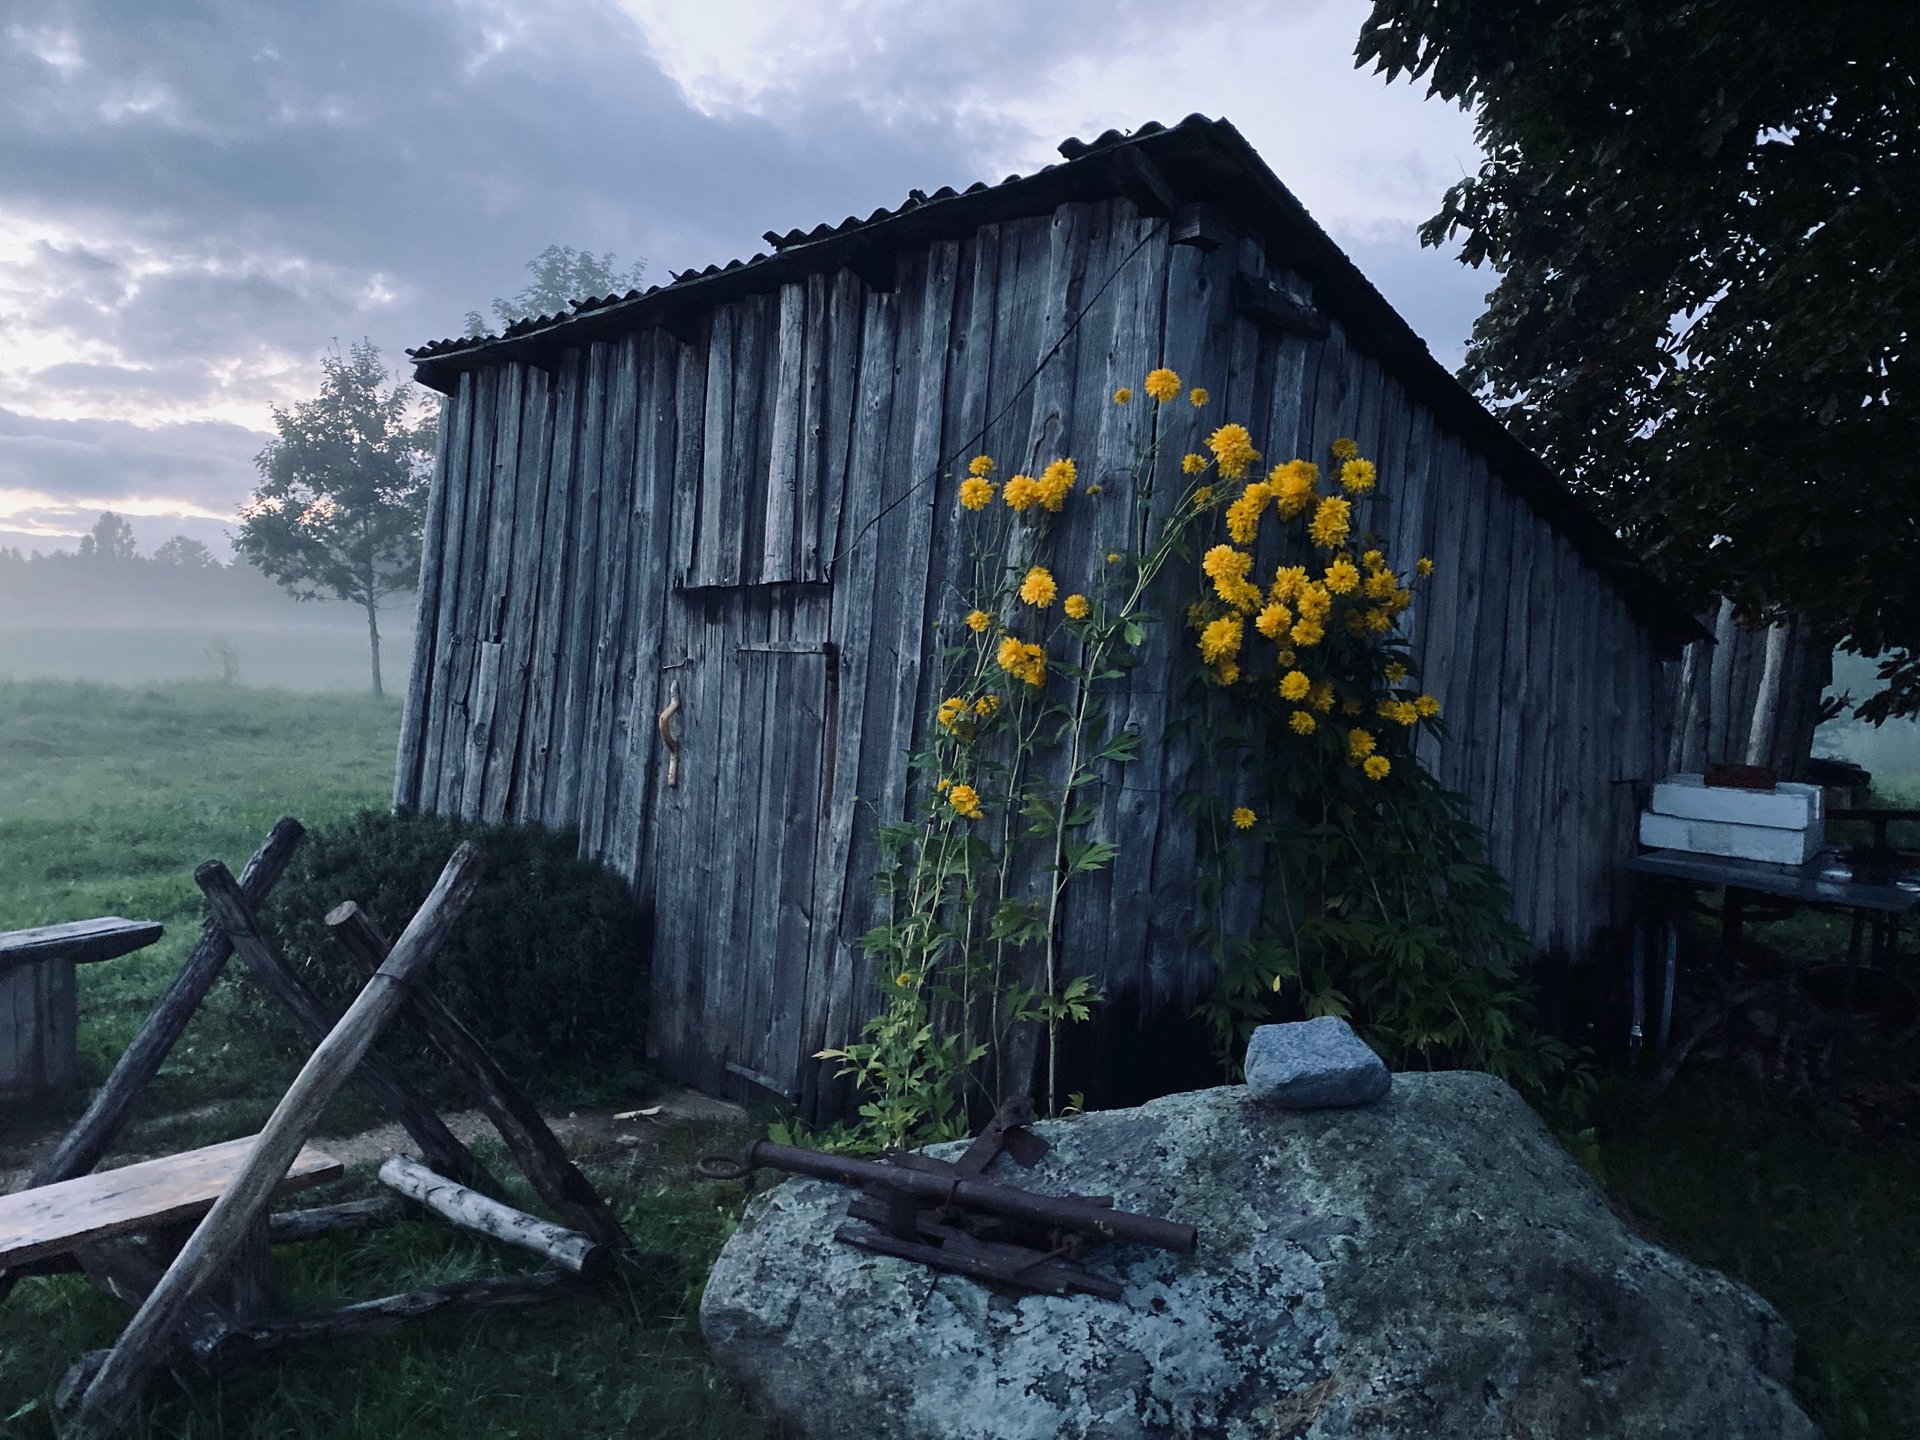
[(1286, 657), (1396, 672), (1055, 481), (1113, 557), (1225, 562), (1360, 743), (1356, 476), (1379, 620), (1023, 661), (1162, 384), (1198, 396), (1022, 493), (1227, 671), (981, 466), (1289, 581), (1243, 818), (1332, 519), (1307, 633), (979, 622), (1203, 495), (1241, 594), (1233, 448), (1274, 620), (1400, 600), (1351, 707), (1321, 696), (951, 709), (1423, 567), (1401, 712), (1314, 600), (1193, 464), (1380, 585), (1122, 395), (965, 801), (903, 979), (1344, 449), (1342, 577), (943, 785), (975, 493), (1294, 685), (1077, 607), (1243, 515), (1302, 723), (987, 706), (1426, 705), (1376, 767), (1374, 559), (1038, 588), (1221, 639)]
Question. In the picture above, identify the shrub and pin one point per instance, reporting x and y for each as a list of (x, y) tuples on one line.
[(547, 962)]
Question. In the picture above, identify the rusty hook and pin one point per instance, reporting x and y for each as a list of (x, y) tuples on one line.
[(667, 736)]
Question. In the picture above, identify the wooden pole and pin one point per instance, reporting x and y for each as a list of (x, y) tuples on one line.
[(534, 1145), (568, 1249), (269, 969), (110, 1398), (290, 1227)]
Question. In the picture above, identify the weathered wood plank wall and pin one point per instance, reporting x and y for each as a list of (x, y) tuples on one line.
[(749, 515)]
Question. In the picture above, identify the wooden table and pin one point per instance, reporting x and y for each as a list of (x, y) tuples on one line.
[(39, 1018), (1878, 908)]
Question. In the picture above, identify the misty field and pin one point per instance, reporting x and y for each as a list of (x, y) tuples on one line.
[(314, 657), (109, 797)]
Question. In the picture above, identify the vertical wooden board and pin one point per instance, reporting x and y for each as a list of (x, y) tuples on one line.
[(831, 955), (38, 1030), (613, 644), (755, 372), (1443, 592), (1539, 751), (738, 979), (574, 674), (455, 658), (489, 600), (550, 638), (1466, 696), (503, 780), (1502, 841), (1064, 281), (486, 692), (714, 530), (1490, 652), (650, 531), (1020, 286), (433, 543), (1414, 538), (795, 346), (1336, 397), (453, 485), (830, 426)]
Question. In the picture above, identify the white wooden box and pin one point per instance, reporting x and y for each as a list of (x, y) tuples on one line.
[(1721, 837), (1785, 807)]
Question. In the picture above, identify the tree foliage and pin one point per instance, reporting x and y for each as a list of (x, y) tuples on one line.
[(185, 553), (110, 541), (561, 275), (343, 491), (1705, 219)]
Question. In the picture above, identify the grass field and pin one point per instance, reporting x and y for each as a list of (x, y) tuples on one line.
[(312, 657), (109, 797)]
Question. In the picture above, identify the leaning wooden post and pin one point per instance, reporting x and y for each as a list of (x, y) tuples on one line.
[(93, 1135), (270, 971), (514, 1115), (107, 1401)]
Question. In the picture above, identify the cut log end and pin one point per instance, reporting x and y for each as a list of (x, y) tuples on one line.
[(343, 912)]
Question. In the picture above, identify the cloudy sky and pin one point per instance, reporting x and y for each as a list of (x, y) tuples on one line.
[(199, 197)]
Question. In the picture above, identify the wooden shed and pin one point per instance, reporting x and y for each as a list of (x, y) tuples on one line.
[(727, 495)]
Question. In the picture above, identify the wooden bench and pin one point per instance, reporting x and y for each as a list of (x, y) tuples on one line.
[(175, 1189), (39, 1015)]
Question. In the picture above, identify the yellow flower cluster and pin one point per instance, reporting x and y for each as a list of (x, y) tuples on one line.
[(975, 493), (1228, 569), (1162, 385), (1055, 483), (987, 706), (1233, 450), (981, 466), (1345, 448), (1243, 818), (1023, 661), (965, 801), (1198, 396), (1357, 476), (1038, 589), (1220, 640), (1376, 767), (1078, 607), (1022, 493), (951, 712), (1192, 464), (1243, 515), (979, 622), (1332, 521), (1122, 395), (1293, 486)]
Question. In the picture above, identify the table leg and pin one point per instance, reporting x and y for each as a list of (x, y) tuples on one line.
[(1671, 935), (1733, 909), (1636, 1025)]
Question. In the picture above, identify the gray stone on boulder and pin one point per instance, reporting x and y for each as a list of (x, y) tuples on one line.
[(1314, 1065), (1433, 1265)]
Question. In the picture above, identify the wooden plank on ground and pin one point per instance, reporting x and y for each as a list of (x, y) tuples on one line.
[(54, 1219)]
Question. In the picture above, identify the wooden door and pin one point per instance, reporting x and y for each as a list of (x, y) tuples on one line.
[(737, 840)]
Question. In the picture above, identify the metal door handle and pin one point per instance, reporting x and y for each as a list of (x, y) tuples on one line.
[(667, 736)]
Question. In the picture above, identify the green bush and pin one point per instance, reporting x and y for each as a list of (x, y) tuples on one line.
[(548, 962)]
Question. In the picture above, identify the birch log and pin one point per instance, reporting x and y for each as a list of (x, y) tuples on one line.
[(109, 1399), (470, 1210)]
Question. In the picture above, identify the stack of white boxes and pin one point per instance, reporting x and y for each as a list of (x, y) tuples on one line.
[(1784, 825)]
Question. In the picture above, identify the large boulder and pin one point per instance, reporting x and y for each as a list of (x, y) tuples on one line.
[(1431, 1265)]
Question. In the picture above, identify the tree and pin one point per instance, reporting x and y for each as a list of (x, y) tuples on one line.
[(343, 492), (1705, 219), (184, 553), (561, 275), (110, 541)]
